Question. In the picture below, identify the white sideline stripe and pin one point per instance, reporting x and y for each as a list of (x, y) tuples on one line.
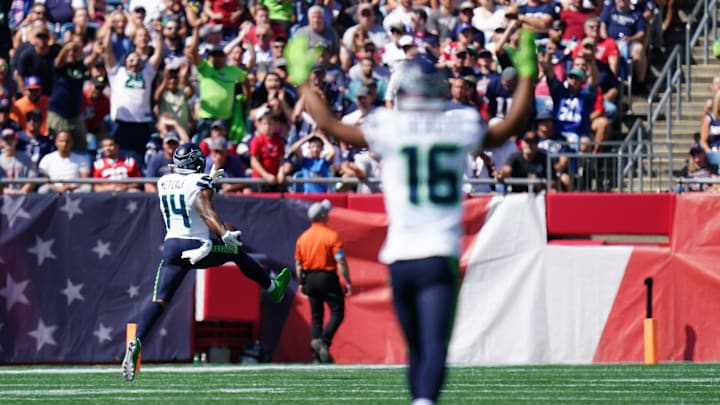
[(47, 393), (192, 369)]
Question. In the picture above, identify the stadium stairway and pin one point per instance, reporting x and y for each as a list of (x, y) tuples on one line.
[(685, 129)]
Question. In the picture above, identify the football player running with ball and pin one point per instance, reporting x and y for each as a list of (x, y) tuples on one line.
[(423, 151), (186, 204)]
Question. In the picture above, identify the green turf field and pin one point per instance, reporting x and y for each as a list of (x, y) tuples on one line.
[(376, 385)]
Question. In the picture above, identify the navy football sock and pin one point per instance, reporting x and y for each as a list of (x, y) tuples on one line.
[(151, 313)]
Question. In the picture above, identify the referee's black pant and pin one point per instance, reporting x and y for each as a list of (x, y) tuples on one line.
[(321, 287)]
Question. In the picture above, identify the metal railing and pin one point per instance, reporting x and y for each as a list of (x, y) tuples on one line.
[(708, 8)]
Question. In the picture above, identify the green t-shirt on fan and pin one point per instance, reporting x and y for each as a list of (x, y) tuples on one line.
[(217, 89)]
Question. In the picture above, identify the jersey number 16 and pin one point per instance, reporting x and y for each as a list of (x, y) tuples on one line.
[(442, 181)]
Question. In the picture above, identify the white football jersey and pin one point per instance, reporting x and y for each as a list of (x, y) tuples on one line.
[(177, 194), (423, 157)]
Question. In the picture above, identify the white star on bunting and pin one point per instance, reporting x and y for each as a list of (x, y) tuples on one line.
[(12, 209), (103, 333), (42, 250), (132, 206), (72, 292), (44, 335), (102, 249), (133, 291), (71, 207), (14, 292)]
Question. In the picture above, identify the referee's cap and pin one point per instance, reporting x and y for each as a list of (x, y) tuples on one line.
[(319, 208)]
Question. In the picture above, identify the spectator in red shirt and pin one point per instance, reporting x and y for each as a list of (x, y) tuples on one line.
[(267, 151), (114, 166), (95, 107)]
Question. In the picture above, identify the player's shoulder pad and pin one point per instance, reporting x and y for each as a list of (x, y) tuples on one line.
[(205, 182)]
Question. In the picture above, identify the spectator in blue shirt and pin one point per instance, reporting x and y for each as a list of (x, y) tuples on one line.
[(314, 165), (628, 28)]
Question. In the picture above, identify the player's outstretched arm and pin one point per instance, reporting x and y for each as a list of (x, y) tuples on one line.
[(300, 61), (525, 61)]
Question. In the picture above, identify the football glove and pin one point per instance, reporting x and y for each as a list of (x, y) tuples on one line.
[(300, 59), (195, 255), (525, 59), (232, 238)]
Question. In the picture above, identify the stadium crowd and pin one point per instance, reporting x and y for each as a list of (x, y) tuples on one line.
[(109, 89)]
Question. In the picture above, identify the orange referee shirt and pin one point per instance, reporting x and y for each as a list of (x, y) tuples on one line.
[(316, 248)]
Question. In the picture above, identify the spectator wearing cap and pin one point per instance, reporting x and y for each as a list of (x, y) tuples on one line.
[(499, 93), (210, 35), (555, 35), (35, 143), (153, 9), (267, 150), (366, 19), (6, 109), (604, 109), (14, 164), (131, 95), (400, 15), (65, 108), (465, 16), (313, 165), (33, 99), (64, 164), (699, 167), (38, 60), (392, 53), (173, 93), (35, 20), (528, 163), (464, 39), (217, 130), (457, 67), (159, 163), (221, 158), (216, 82), (573, 100), (112, 165), (553, 143), (95, 107), (318, 32), (165, 124)]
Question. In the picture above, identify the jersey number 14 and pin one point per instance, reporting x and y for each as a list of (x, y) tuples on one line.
[(175, 206), (442, 182)]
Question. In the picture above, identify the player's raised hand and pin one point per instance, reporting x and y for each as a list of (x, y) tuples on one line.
[(232, 238), (300, 59), (525, 59)]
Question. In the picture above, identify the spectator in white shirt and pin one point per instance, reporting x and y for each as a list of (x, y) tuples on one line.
[(63, 164)]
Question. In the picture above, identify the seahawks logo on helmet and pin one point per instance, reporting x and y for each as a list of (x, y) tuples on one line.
[(188, 158)]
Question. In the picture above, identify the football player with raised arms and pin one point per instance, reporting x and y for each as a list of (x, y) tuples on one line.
[(422, 149), (186, 204)]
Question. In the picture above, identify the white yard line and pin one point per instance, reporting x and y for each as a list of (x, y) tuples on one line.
[(4, 370)]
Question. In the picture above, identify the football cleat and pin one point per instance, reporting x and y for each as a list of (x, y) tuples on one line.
[(321, 349), (281, 283), (130, 361)]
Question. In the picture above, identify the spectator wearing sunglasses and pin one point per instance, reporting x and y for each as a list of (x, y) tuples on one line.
[(366, 19), (131, 95)]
